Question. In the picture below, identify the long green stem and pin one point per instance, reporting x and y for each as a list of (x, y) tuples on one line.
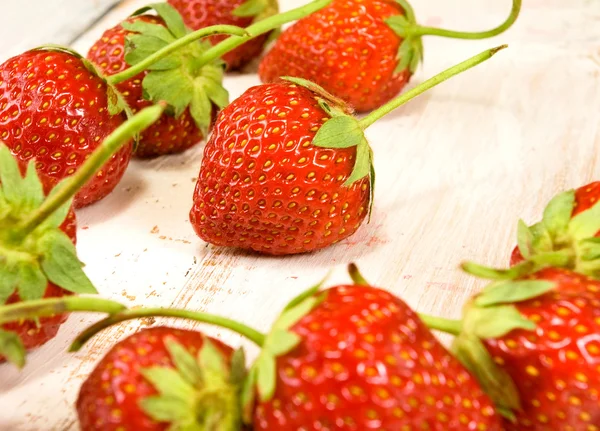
[(259, 28), (256, 337), (51, 306), (431, 31), (448, 326), (430, 83), (69, 187), (174, 46)]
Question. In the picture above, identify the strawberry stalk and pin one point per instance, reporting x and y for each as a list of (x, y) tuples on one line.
[(70, 186), (259, 28), (423, 87), (171, 48)]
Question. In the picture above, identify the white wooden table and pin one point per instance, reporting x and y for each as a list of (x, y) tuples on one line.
[(456, 169)]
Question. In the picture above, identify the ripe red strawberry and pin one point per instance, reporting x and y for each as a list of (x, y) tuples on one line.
[(55, 109), (37, 238), (354, 357), (541, 330), (362, 51), (287, 168), (190, 78), (203, 13), (573, 203), (163, 378)]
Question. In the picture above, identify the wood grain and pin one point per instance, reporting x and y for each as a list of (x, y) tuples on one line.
[(456, 169)]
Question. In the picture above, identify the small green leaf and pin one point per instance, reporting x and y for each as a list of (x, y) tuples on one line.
[(559, 259), (307, 293), (172, 19), (371, 186), (249, 394), (61, 265), (201, 109), (408, 10), (405, 55), (508, 292), (217, 94), (185, 362), (362, 165), (558, 213), (590, 249), (339, 132), (267, 376), (250, 8), (496, 274), (495, 381), (169, 382), (10, 176), (237, 374), (33, 191), (493, 322), (399, 25), (31, 283), (57, 217), (167, 409), (524, 239), (212, 361), (291, 316), (139, 47), (279, 342), (11, 347), (144, 29), (542, 240), (170, 86), (586, 224), (8, 280)]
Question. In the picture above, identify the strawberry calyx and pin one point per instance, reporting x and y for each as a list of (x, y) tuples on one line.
[(262, 376), (410, 51), (200, 393), (171, 59), (257, 9), (560, 240)]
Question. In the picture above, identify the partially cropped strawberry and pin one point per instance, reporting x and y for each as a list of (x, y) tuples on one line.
[(203, 13), (163, 379), (354, 357), (540, 330), (362, 51), (55, 109), (557, 230), (288, 169), (37, 238), (189, 78)]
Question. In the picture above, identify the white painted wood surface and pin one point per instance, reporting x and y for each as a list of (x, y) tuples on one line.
[(456, 169)]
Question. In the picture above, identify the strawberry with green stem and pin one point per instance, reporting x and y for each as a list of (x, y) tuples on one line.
[(189, 78), (350, 356), (362, 51), (288, 169), (202, 13), (37, 238)]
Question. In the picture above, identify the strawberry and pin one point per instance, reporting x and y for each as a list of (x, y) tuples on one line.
[(54, 108), (362, 51), (202, 13), (547, 236), (37, 238), (189, 78), (354, 357), (288, 169), (532, 343), (163, 378)]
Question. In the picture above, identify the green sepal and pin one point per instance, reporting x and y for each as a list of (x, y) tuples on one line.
[(339, 132), (497, 321), (61, 265), (557, 213), (11, 347), (524, 239), (178, 79), (410, 51), (496, 274), (494, 381), (8, 279), (590, 249), (250, 8), (196, 394), (507, 292), (262, 376), (586, 224), (321, 92), (32, 281), (362, 165)]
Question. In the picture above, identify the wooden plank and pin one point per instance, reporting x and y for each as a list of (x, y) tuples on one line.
[(25, 24), (456, 169)]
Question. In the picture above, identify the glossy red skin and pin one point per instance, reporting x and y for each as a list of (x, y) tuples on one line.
[(32, 334), (585, 198), (198, 14), (108, 399), (556, 368), (347, 48), (44, 114), (367, 362), (169, 134), (263, 185)]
